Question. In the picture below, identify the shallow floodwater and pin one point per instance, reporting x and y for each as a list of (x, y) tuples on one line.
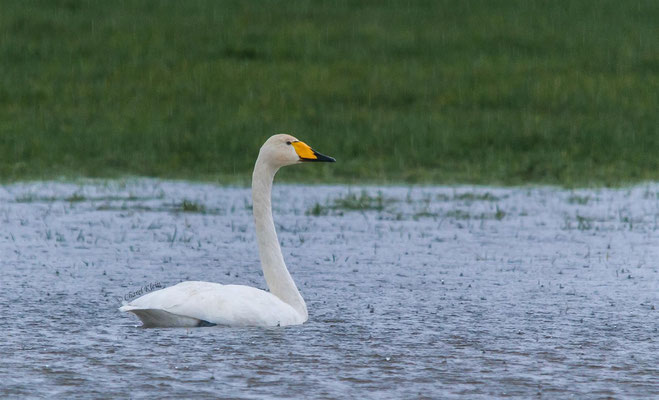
[(421, 292)]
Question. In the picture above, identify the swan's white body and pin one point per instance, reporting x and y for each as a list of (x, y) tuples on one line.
[(191, 304)]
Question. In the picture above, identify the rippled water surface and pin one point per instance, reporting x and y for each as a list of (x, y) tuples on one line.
[(423, 292)]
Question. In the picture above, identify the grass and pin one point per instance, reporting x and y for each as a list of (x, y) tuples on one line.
[(352, 202), (380, 203), (500, 214), (440, 91), (76, 198), (362, 202), (458, 214), (584, 223), (576, 199), (470, 197), (192, 207)]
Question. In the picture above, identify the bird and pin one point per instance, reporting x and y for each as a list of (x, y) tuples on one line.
[(198, 304)]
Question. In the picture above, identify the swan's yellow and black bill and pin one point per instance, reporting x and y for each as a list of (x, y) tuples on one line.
[(306, 153)]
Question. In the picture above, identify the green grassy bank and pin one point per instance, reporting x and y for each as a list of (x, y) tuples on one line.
[(398, 91)]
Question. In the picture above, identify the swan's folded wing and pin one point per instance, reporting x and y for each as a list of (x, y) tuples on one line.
[(234, 305)]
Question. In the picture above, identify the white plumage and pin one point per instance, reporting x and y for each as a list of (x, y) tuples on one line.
[(194, 303), (189, 303)]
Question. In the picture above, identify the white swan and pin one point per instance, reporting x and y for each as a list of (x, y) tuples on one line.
[(191, 304)]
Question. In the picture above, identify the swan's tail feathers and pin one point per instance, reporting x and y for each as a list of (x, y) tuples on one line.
[(154, 318)]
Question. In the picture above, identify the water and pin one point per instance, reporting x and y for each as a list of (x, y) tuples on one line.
[(424, 292)]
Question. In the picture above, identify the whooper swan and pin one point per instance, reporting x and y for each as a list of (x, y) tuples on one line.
[(192, 304)]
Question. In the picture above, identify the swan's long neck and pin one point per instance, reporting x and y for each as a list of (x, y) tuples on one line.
[(272, 261)]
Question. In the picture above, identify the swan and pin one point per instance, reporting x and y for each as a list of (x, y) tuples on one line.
[(193, 303)]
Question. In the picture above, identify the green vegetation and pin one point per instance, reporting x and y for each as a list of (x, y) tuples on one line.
[(576, 199), (469, 196), (419, 91), (363, 202), (192, 206), (500, 214), (353, 202), (76, 198)]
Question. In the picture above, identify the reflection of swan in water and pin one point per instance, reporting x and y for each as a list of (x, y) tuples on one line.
[(191, 304)]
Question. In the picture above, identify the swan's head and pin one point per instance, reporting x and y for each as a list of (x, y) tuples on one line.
[(281, 150)]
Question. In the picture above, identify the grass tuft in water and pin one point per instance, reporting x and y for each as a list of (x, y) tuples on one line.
[(317, 210), (420, 214), (363, 202), (458, 214), (469, 196), (76, 198), (353, 202), (576, 199), (584, 223), (25, 198), (192, 207), (32, 198), (500, 214)]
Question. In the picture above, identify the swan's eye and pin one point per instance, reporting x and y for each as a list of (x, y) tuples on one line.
[(288, 142)]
